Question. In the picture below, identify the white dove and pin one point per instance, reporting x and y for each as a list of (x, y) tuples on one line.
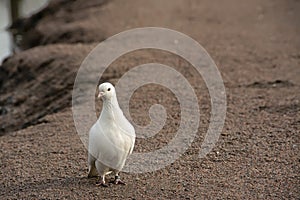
[(111, 138)]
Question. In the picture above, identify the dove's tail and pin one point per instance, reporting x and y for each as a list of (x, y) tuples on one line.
[(92, 172), (92, 168)]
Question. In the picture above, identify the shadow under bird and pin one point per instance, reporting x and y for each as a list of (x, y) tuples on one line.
[(111, 138)]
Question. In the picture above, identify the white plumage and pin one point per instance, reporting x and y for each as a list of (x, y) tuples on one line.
[(111, 138)]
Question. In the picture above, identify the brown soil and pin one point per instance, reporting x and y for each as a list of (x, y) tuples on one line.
[(256, 47)]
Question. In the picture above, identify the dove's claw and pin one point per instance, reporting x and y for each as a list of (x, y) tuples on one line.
[(119, 181), (101, 184)]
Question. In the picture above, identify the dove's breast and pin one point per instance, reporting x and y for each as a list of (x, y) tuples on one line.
[(109, 144)]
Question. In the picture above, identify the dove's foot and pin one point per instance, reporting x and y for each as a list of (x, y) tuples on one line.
[(119, 181), (101, 182)]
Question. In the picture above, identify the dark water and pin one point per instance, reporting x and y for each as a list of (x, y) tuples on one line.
[(9, 11)]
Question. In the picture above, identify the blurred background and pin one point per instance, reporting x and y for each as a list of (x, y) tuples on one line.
[(11, 10)]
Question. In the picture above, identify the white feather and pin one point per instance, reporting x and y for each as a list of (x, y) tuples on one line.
[(111, 138)]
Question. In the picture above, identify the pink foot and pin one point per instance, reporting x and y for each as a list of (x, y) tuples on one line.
[(119, 181), (101, 183)]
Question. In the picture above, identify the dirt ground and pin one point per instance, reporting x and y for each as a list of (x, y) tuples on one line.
[(256, 47)]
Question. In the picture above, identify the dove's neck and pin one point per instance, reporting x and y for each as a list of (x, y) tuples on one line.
[(110, 108)]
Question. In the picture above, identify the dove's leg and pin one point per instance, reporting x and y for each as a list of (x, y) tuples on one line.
[(92, 167), (117, 179), (102, 172), (101, 181)]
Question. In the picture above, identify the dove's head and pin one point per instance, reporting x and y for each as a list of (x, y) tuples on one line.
[(106, 91)]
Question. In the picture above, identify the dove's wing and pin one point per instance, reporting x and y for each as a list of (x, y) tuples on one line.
[(126, 128), (123, 123)]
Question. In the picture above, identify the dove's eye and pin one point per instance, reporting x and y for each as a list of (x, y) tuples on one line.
[(108, 89)]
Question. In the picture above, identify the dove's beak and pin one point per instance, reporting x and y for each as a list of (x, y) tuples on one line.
[(100, 94)]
